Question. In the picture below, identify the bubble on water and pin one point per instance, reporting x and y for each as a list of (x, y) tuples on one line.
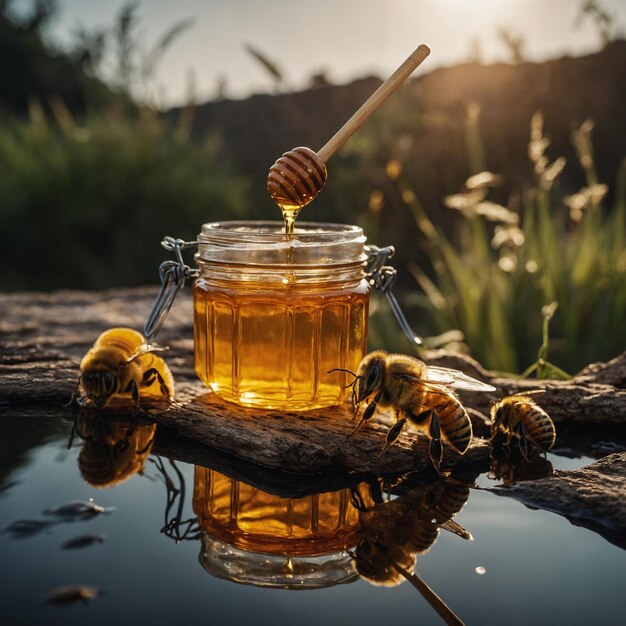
[(481, 570)]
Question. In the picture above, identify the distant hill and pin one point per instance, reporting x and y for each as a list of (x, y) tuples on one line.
[(257, 130), (433, 111)]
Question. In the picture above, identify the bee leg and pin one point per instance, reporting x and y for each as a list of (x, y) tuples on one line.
[(149, 378), (392, 435), (355, 404), (367, 415), (134, 392), (370, 409), (73, 433), (507, 443), (74, 394), (353, 399), (357, 499), (435, 449), (420, 418), (523, 442), (376, 491)]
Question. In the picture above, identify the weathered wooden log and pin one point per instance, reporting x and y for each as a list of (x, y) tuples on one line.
[(44, 335), (593, 496), (308, 441), (171, 444)]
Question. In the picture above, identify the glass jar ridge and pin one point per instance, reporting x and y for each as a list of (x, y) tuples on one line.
[(274, 313)]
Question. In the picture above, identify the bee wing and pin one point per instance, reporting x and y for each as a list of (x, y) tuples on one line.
[(457, 529), (426, 385), (455, 379)]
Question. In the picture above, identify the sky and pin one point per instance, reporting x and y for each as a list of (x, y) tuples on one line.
[(344, 39)]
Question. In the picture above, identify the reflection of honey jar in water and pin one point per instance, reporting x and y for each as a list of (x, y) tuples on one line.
[(112, 450), (254, 537), (273, 314)]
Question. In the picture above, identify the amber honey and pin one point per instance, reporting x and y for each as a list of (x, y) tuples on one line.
[(290, 213), (272, 315), (251, 519), (254, 537)]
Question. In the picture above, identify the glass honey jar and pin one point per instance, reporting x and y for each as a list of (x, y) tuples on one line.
[(273, 314), (254, 537)]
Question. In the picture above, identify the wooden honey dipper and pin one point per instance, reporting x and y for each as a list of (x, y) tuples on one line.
[(299, 175)]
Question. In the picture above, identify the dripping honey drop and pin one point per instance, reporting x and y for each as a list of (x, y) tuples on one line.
[(294, 181)]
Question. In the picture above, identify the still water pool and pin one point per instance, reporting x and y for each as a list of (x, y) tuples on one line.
[(176, 533)]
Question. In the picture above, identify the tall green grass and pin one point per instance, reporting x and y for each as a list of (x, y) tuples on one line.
[(497, 278), (85, 204)]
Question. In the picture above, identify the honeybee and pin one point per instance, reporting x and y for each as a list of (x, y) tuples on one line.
[(510, 467), (112, 451), (420, 395), (121, 362), (414, 517), (397, 531), (518, 418)]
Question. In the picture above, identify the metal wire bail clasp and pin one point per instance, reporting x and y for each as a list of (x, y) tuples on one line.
[(382, 276), (173, 275)]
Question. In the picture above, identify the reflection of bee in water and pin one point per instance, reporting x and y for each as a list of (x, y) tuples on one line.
[(396, 531), (112, 451), (520, 420), (121, 362), (510, 466), (421, 395), (402, 528)]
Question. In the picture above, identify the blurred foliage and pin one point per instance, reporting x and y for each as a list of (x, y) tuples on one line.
[(89, 185), (131, 64), (271, 67), (100, 67), (86, 204), (500, 277), (32, 69), (603, 20), (514, 44)]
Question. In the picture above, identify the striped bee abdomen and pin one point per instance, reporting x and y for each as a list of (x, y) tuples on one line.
[(454, 421), (539, 427)]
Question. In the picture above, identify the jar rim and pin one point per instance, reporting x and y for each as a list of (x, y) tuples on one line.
[(273, 232), (264, 244)]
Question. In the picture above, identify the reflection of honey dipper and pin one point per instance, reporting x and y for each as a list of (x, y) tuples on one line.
[(299, 175)]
